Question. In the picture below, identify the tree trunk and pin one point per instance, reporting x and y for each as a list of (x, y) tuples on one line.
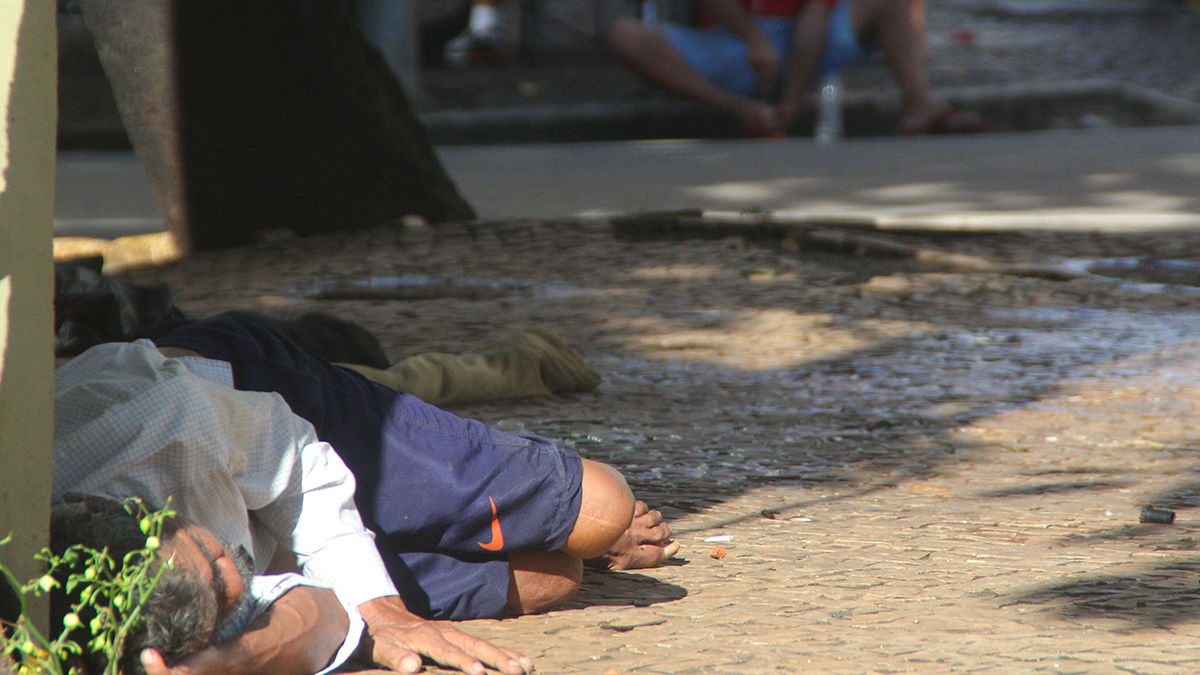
[(250, 114)]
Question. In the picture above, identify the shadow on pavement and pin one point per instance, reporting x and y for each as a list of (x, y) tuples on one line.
[(1056, 488), (1153, 597), (623, 589)]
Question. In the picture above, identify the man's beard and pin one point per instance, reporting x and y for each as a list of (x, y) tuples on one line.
[(232, 619)]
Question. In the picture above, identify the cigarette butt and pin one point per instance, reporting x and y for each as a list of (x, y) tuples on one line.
[(722, 537)]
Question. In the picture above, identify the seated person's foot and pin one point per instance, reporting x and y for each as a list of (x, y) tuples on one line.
[(481, 42), (647, 543), (941, 119), (759, 120), (477, 49)]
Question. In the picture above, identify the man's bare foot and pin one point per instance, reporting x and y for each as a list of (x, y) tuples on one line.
[(940, 118), (647, 542)]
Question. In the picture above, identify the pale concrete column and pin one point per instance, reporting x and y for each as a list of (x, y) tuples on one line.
[(27, 134)]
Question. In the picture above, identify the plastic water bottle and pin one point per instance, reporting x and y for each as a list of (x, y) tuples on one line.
[(829, 109)]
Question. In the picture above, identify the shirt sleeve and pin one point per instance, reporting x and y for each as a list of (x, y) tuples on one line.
[(301, 492)]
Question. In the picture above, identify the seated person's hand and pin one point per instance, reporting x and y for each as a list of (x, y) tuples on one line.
[(764, 61), (398, 639)]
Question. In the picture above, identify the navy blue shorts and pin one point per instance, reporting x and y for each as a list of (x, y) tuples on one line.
[(447, 497)]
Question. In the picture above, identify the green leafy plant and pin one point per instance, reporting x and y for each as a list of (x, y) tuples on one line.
[(115, 592)]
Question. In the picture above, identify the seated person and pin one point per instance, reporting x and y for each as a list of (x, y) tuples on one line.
[(470, 522), (757, 58)]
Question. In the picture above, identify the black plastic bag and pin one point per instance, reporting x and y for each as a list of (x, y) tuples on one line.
[(91, 308)]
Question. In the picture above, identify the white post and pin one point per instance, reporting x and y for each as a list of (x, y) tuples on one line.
[(27, 134)]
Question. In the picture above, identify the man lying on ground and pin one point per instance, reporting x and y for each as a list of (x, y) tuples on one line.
[(470, 522)]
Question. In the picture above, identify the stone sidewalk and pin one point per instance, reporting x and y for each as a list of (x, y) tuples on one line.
[(917, 470), (1020, 552)]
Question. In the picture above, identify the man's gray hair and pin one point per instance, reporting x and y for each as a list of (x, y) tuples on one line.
[(180, 615)]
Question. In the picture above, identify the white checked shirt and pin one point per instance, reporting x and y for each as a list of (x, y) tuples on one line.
[(129, 422)]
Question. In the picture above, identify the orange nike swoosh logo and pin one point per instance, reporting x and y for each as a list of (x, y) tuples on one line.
[(497, 541)]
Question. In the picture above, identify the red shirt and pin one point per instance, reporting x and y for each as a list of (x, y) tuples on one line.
[(778, 7), (768, 8)]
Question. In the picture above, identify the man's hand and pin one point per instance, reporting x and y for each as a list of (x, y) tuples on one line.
[(764, 61), (398, 639)]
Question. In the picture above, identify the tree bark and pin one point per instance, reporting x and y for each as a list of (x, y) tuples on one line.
[(251, 114)]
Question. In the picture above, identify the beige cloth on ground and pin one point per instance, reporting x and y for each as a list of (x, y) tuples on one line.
[(534, 362)]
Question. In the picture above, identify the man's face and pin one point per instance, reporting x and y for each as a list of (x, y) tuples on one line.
[(225, 570)]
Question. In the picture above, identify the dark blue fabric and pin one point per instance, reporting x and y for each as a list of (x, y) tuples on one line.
[(426, 478)]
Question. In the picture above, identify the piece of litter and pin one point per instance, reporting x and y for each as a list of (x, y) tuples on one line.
[(722, 537), (926, 487), (717, 553), (800, 519), (1151, 514)]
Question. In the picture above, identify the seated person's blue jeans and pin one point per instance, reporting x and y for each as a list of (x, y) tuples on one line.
[(720, 56)]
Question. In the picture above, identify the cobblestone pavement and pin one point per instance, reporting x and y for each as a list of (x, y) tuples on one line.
[(913, 470)]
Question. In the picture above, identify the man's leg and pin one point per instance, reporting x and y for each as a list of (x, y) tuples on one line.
[(541, 580), (648, 51), (898, 28), (534, 362), (614, 525)]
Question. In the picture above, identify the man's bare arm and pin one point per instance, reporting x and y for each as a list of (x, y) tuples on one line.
[(398, 639), (298, 636)]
